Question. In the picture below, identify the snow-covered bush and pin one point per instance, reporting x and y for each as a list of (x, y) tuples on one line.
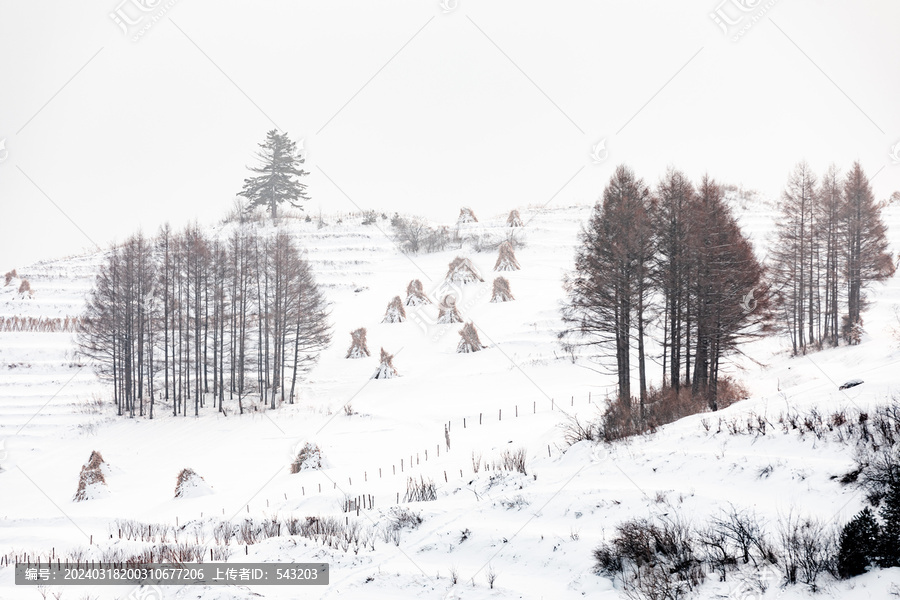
[(653, 559), (400, 517)]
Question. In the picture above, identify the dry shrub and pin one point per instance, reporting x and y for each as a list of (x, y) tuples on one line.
[(653, 559), (420, 491), (358, 347), (9, 276), (90, 477), (574, 430), (400, 517), (469, 341), (663, 406), (309, 457), (514, 460)]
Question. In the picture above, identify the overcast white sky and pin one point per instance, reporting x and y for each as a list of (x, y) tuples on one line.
[(419, 107)]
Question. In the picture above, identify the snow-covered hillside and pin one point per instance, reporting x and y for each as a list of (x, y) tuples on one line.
[(534, 530)]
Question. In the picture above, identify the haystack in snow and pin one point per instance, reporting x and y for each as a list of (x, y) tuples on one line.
[(462, 271), (447, 312), (469, 341), (92, 481), (309, 458), (466, 215), (25, 289), (395, 312), (191, 485), (501, 291), (506, 259), (514, 220), (415, 294), (386, 369), (358, 348)]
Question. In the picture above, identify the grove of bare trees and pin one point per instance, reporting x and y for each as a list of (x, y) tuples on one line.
[(190, 319), (830, 245)]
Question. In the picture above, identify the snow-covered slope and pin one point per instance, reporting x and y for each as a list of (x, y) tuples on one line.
[(535, 530)]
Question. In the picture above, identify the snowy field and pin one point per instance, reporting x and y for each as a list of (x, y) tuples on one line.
[(535, 531)]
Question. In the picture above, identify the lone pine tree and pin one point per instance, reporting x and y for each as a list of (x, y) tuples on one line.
[(278, 176)]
